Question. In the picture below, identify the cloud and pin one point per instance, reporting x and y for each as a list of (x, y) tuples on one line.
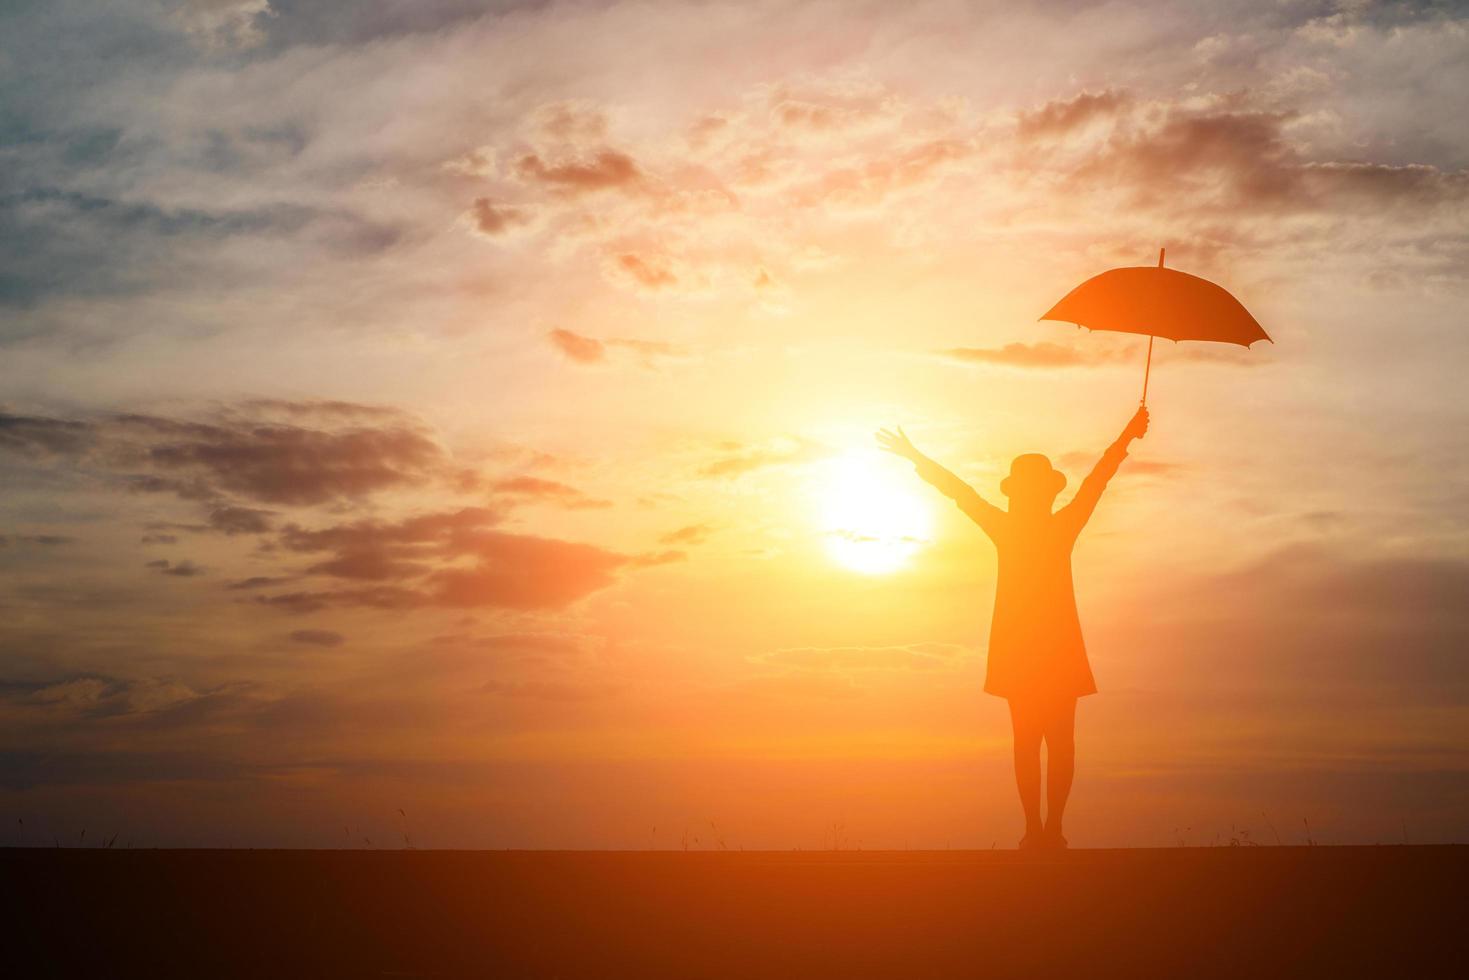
[(259, 582), (548, 690), (259, 460), (58, 242), (453, 559), (289, 464), (578, 348), (1063, 116), (239, 520), (738, 459), (871, 183), (536, 489), (604, 170), (374, 597), (1233, 157), (1038, 355), (1225, 174), (318, 638), (651, 272), (182, 569), (377, 551), (492, 218), (526, 572), (582, 349), (1083, 460), (89, 695), (1393, 626), (43, 437), (692, 534), (45, 540), (222, 23)]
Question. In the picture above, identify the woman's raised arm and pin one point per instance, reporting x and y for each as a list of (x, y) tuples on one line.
[(1079, 511), (981, 511)]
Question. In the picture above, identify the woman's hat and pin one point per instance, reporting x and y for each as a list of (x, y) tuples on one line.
[(1033, 472)]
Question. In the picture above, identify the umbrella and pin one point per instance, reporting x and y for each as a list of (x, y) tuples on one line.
[(1158, 302)]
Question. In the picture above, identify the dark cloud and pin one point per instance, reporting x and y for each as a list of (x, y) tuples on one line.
[(60, 242), (377, 597), (45, 540), (318, 638), (605, 169), (182, 569), (1311, 618), (259, 582), (263, 461), (38, 436), (239, 520), (190, 489), (378, 551), (1234, 158), (450, 559), (492, 218), (293, 23), (91, 694), (289, 464)]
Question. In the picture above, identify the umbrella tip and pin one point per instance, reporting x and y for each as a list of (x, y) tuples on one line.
[(1160, 257)]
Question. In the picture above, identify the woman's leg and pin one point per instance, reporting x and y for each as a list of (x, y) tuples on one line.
[(1060, 736), (1028, 725)]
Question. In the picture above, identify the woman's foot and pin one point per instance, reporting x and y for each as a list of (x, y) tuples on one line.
[(1034, 839), (1054, 841)]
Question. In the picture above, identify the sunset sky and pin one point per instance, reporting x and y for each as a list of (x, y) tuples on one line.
[(466, 410)]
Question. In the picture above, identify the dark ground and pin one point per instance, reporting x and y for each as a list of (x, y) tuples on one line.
[(1238, 912)]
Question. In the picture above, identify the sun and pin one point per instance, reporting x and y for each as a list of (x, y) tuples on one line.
[(872, 512)]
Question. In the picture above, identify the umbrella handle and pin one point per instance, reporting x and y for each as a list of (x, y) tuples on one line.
[(1147, 369)]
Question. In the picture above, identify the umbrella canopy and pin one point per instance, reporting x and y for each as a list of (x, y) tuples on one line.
[(1158, 302)]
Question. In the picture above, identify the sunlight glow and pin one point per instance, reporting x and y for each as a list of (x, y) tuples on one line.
[(872, 512)]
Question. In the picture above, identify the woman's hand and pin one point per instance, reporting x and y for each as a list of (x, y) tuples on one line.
[(1138, 427), (898, 444)]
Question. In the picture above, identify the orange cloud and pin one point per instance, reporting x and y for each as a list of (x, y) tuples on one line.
[(492, 218), (579, 348), (740, 459), (593, 350), (606, 169)]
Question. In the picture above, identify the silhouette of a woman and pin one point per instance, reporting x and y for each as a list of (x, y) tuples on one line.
[(1037, 659)]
